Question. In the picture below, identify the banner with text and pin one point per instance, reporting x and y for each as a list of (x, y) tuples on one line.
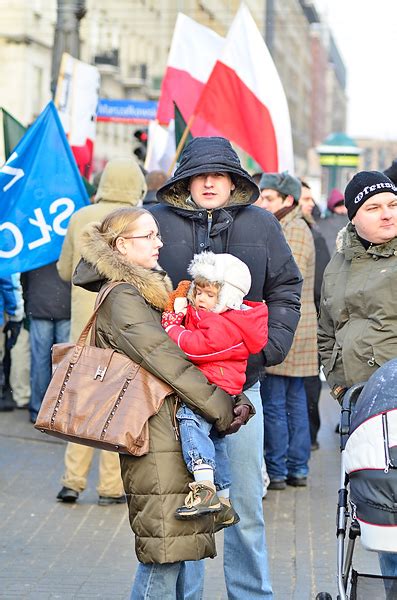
[(40, 188)]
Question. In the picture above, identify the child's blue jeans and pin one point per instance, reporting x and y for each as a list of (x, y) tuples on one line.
[(201, 444)]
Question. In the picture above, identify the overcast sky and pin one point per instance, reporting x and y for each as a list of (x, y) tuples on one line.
[(366, 34)]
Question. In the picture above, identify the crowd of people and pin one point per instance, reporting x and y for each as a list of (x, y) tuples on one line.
[(227, 280)]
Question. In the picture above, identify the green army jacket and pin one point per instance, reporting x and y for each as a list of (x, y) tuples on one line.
[(358, 314)]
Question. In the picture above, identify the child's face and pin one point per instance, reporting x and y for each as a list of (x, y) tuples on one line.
[(206, 298)]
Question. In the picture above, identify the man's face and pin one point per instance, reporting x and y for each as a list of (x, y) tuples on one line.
[(272, 200), (306, 201), (376, 219), (211, 190)]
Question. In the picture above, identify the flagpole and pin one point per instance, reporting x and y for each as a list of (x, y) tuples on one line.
[(181, 144)]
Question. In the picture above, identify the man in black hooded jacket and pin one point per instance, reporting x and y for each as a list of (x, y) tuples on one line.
[(207, 205)]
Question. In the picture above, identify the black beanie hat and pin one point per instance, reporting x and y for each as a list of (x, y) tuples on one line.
[(364, 185)]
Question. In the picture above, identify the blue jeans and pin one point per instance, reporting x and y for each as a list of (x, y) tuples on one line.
[(159, 582), (245, 552), (202, 444), (388, 567), (43, 334), (286, 425)]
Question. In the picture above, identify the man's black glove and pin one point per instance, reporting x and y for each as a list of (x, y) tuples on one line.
[(11, 330)]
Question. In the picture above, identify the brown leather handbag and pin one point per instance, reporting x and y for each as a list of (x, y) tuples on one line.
[(99, 397)]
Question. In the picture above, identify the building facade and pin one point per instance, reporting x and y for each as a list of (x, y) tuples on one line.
[(129, 41), (376, 154)]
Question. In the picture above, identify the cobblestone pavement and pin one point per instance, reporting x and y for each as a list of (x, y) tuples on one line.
[(49, 550)]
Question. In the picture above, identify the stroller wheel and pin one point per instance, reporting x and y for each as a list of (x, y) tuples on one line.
[(323, 596)]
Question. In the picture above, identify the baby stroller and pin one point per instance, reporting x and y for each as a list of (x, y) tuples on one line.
[(368, 441)]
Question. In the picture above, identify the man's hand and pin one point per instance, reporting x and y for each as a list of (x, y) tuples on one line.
[(168, 319), (241, 414), (11, 330)]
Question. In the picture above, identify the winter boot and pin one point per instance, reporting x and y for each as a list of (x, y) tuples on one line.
[(201, 500), (226, 517)]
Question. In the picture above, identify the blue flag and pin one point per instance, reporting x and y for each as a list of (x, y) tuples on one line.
[(40, 188)]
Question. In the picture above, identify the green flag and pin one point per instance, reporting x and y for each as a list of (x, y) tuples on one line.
[(13, 131), (180, 126)]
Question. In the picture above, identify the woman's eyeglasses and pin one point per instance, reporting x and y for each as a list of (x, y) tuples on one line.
[(150, 236)]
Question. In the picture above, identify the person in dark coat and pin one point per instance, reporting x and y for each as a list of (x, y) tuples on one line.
[(154, 181), (206, 206), (11, 313), (391, 172), (334, 219), (47, 306), (322, 257)]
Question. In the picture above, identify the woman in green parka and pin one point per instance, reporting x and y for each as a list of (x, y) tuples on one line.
[(125, 247)]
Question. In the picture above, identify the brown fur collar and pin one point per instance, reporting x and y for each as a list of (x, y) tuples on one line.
[(153, 284)]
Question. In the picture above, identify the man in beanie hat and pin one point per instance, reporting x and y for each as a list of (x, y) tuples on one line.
[(357, 332), (207, 205), (286, 419), (218, 334)]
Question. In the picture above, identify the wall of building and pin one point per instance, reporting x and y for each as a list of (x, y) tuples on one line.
[(129, 41), (377, 155)]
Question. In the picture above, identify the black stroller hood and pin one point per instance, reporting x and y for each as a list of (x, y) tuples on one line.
[(378, 395)]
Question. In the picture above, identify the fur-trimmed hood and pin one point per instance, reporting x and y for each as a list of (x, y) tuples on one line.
[(100, 264), (208, 155)]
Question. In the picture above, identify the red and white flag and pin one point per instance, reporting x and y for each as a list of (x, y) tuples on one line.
[(76, 99), (244, 98), (193, 54)]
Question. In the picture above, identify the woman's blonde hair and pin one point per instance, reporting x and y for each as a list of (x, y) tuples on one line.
[(120, 222)]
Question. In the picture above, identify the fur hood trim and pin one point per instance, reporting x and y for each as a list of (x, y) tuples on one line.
[(348, 244), (153, 284), (342, 240)]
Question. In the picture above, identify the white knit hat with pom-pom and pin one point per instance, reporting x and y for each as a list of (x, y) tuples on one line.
[(230, 272)]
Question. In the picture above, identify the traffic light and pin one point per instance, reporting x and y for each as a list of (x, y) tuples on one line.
[(140, 151)]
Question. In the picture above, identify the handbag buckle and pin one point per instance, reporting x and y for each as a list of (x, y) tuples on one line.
[(100, 373)]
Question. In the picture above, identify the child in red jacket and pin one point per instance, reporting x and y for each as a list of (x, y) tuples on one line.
[(218, 334)]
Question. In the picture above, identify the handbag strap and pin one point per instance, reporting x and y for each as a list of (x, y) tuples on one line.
[(99, 301)]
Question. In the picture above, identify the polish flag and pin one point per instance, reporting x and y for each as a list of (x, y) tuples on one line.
[(193, 54), (244, 98)]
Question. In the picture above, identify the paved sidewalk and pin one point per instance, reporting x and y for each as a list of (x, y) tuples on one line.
[(49, 550)]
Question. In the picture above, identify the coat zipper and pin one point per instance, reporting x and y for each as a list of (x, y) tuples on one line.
[(388, 460), (209, 225), (174, 419)]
